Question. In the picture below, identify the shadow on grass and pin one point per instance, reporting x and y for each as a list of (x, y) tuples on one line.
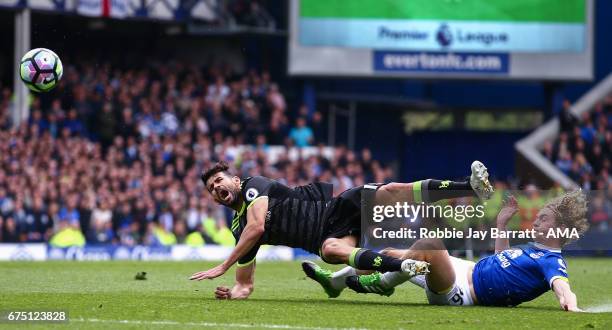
[(540, 308)]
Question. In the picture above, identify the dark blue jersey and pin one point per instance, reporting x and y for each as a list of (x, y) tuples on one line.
[(517, 275), (294, 217)]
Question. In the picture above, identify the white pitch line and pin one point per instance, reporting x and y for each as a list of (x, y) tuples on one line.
[(212, 324), (604, 308)]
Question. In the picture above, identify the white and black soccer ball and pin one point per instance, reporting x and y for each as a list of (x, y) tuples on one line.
[(41, 69)]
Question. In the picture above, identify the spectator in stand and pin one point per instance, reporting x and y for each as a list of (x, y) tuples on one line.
[(69, 212), (600, 210), (105, 127), (123, 218), (566, 118), (39, 226), (73, 123), (218, 92), (277, 132), (20, 216), (319, 129), (10, 233), (101, 224), (587, 131), (6, 203), (276, 100), (36, 118), (301, 135)]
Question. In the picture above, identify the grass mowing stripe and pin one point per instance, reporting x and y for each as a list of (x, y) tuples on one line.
[(211, 324)]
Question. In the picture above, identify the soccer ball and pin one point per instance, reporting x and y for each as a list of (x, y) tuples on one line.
[(41, 69)]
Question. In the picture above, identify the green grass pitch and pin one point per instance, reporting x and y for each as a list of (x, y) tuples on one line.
[(105, 295)]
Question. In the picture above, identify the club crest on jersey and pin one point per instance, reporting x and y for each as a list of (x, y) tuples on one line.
[(514, 253), (536, 255), (251, 194)]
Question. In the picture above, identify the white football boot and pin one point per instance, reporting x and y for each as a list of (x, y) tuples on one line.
[(413, 268), (479, 180)]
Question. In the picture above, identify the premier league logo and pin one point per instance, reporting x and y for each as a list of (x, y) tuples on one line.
[(444, 36), (251, 194)]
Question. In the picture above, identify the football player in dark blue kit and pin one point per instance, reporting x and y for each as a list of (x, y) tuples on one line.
[(309, 217)]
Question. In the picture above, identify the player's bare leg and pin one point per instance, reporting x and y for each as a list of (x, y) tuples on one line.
[(338, 250)]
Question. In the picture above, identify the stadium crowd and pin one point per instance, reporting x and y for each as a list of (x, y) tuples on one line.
[(583, 151), (117, 157), (584, 146)]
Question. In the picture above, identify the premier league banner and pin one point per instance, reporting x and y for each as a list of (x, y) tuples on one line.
[(469, 25), (525, 39)]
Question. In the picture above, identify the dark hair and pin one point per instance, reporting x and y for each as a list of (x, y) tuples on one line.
[(219, 167)]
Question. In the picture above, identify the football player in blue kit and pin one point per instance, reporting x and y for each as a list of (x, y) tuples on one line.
[(508, 278)]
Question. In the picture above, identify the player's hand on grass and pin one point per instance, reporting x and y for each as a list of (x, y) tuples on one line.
[(507, 211), (209, 274), (569, 308), (223, 292)]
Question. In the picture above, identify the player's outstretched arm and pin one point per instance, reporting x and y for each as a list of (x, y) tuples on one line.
[(254, 229), (243, 287), (567, 299), (503, 217)]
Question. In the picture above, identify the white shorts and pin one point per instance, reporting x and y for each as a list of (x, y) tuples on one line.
[(459, 294)]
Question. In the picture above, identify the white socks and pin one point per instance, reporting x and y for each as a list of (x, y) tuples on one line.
[(393, 279), (419, 280), (338, 280), (388, 280)]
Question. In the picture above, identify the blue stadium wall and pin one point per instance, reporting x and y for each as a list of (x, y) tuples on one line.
[(434, 154), (448, 154)]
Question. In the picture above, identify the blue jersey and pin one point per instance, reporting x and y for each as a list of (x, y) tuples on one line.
[(517, 275)]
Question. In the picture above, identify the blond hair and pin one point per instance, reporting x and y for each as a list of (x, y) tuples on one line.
[(570, 211)]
